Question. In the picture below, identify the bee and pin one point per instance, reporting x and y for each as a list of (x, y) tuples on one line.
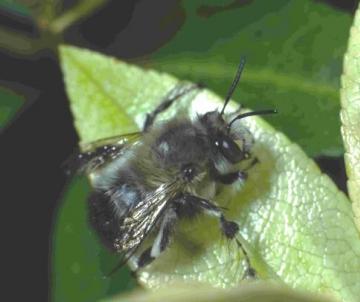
[(145, 182)]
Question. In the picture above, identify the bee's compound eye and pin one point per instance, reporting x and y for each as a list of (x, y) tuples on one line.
[(188, 172), (225, 145), (229, 149)]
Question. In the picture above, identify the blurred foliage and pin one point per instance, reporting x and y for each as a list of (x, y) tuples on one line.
[(295, 220), (15, 6), (51, 22)]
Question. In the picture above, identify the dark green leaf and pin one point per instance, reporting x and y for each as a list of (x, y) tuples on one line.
[(294, 54), (15, 6), (80, 263), (10, 103)]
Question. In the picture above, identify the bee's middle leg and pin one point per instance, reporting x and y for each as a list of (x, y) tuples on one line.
[(161, 241)]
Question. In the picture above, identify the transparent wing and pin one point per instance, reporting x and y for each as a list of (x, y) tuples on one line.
[(96, 154), (141, 219)]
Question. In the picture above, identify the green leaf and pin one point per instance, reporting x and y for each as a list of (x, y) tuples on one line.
[(294, 52), (10, 103), (260, 292), (296, 225), (350, 115)]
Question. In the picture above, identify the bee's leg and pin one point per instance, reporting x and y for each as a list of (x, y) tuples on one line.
[(191, 202), (161, 241), (231, 177), (144, 259), (177, 92), (228, 228)]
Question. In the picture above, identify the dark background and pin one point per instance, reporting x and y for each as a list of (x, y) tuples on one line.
[(41, 136)]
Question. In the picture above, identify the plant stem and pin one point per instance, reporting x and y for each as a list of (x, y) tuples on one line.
[(84, 8), (48, 9)]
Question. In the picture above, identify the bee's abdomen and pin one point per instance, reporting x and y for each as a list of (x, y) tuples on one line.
[(107, 210)]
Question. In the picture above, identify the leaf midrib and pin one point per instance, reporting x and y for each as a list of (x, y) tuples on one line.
[(102, 90), (252, 75)]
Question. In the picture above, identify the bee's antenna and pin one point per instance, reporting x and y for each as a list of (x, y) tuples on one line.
[(259, 112), (234, 83)]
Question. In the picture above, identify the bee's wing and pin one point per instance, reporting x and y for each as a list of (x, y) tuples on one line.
[(100, 152), (141, 219)]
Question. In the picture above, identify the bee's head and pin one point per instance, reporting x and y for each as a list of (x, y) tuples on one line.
[(233, 144), (226, 138), (222, 142)]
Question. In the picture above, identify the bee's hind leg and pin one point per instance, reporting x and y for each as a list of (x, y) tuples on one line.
[(177, 92), (161, 241), (250, 272), (228, 228)]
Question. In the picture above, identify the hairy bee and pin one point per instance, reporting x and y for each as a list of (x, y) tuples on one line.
[(145, 182)]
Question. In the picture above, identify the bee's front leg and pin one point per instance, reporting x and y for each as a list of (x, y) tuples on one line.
[(229, 178)]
